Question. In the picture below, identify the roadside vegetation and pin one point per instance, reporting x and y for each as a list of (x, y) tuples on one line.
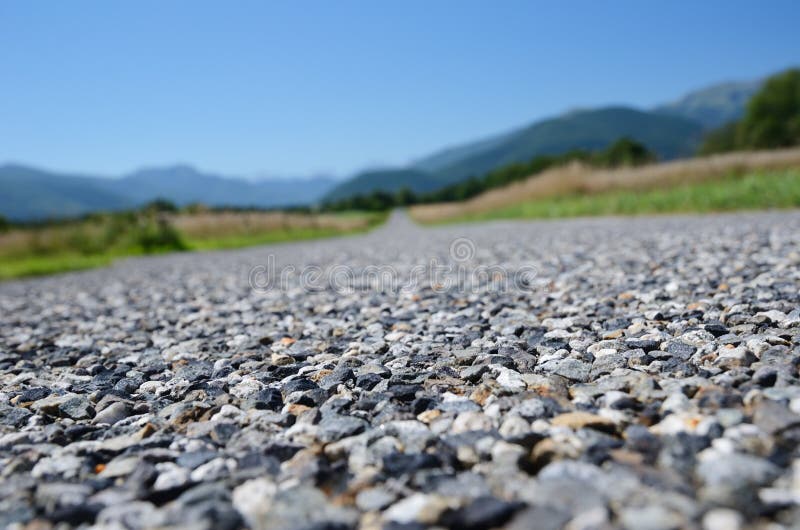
[(98, 239), (759, 190), (623, 153), (577, 180)]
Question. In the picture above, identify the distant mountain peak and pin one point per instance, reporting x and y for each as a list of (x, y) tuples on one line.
[(715, 105), (27, 193)]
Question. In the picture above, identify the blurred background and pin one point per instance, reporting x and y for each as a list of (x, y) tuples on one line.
[(141, 127)]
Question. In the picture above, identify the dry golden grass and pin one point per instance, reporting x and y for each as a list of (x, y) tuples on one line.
[(576, 178), (220, 224), (198, 226), (40, 240)]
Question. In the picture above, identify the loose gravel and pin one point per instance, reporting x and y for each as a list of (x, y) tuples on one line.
[(645, 377)]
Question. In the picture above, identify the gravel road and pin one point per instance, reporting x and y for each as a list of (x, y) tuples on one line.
[(637, 373)]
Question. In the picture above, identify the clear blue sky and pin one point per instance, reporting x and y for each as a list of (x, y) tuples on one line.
[(296, 87)]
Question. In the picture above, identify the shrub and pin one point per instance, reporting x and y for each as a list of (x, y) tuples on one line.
[(624, 152), (155, 234)]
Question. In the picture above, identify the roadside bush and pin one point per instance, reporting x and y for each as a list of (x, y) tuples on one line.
[(155, 234), (624, 152)]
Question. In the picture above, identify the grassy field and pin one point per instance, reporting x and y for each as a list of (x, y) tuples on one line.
[(752, 191), (565, 184), (576, 189), (220, 230), (99, 240)]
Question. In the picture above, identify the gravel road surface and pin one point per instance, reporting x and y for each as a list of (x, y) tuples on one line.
[(635, 373)]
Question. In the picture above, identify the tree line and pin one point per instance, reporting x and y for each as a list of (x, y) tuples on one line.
[(771, 119), (623, 152)]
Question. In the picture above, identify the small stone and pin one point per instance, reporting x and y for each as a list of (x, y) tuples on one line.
[(653, 517), (77, 408), (572, 369), (482, 513), (33, 394), (722, 519), (170, 476), (429, 415), (534, 408), (281, 359), (716, 329), (112, 414), (511, 380), (120, 467), (266, 399), (540, 518), (471, 421), (336, 427), (402, 463), (732, 479), (253, 500), (481, 394), (773, 417), (647, 345), (373, 499), (134, 514), (64, 466), (681, 350), (583, 420), (765, 376), (213, 470), (473, 373), (514, 427), (419, 508), (772, 316)]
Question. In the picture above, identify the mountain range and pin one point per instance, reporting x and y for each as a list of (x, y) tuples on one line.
[(713, 106), (671, 130), (31, 194)]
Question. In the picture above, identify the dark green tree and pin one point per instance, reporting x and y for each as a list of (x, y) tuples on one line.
[(154, 233), (624, 152), (720, 140), (405, 197), (161, 205), (772, 118)]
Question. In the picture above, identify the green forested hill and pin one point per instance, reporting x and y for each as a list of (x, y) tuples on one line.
[(667, 136), (390, 180)]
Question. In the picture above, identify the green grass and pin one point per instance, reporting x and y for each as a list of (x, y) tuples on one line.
[(43, 265), (65, 256), (753, 191)]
